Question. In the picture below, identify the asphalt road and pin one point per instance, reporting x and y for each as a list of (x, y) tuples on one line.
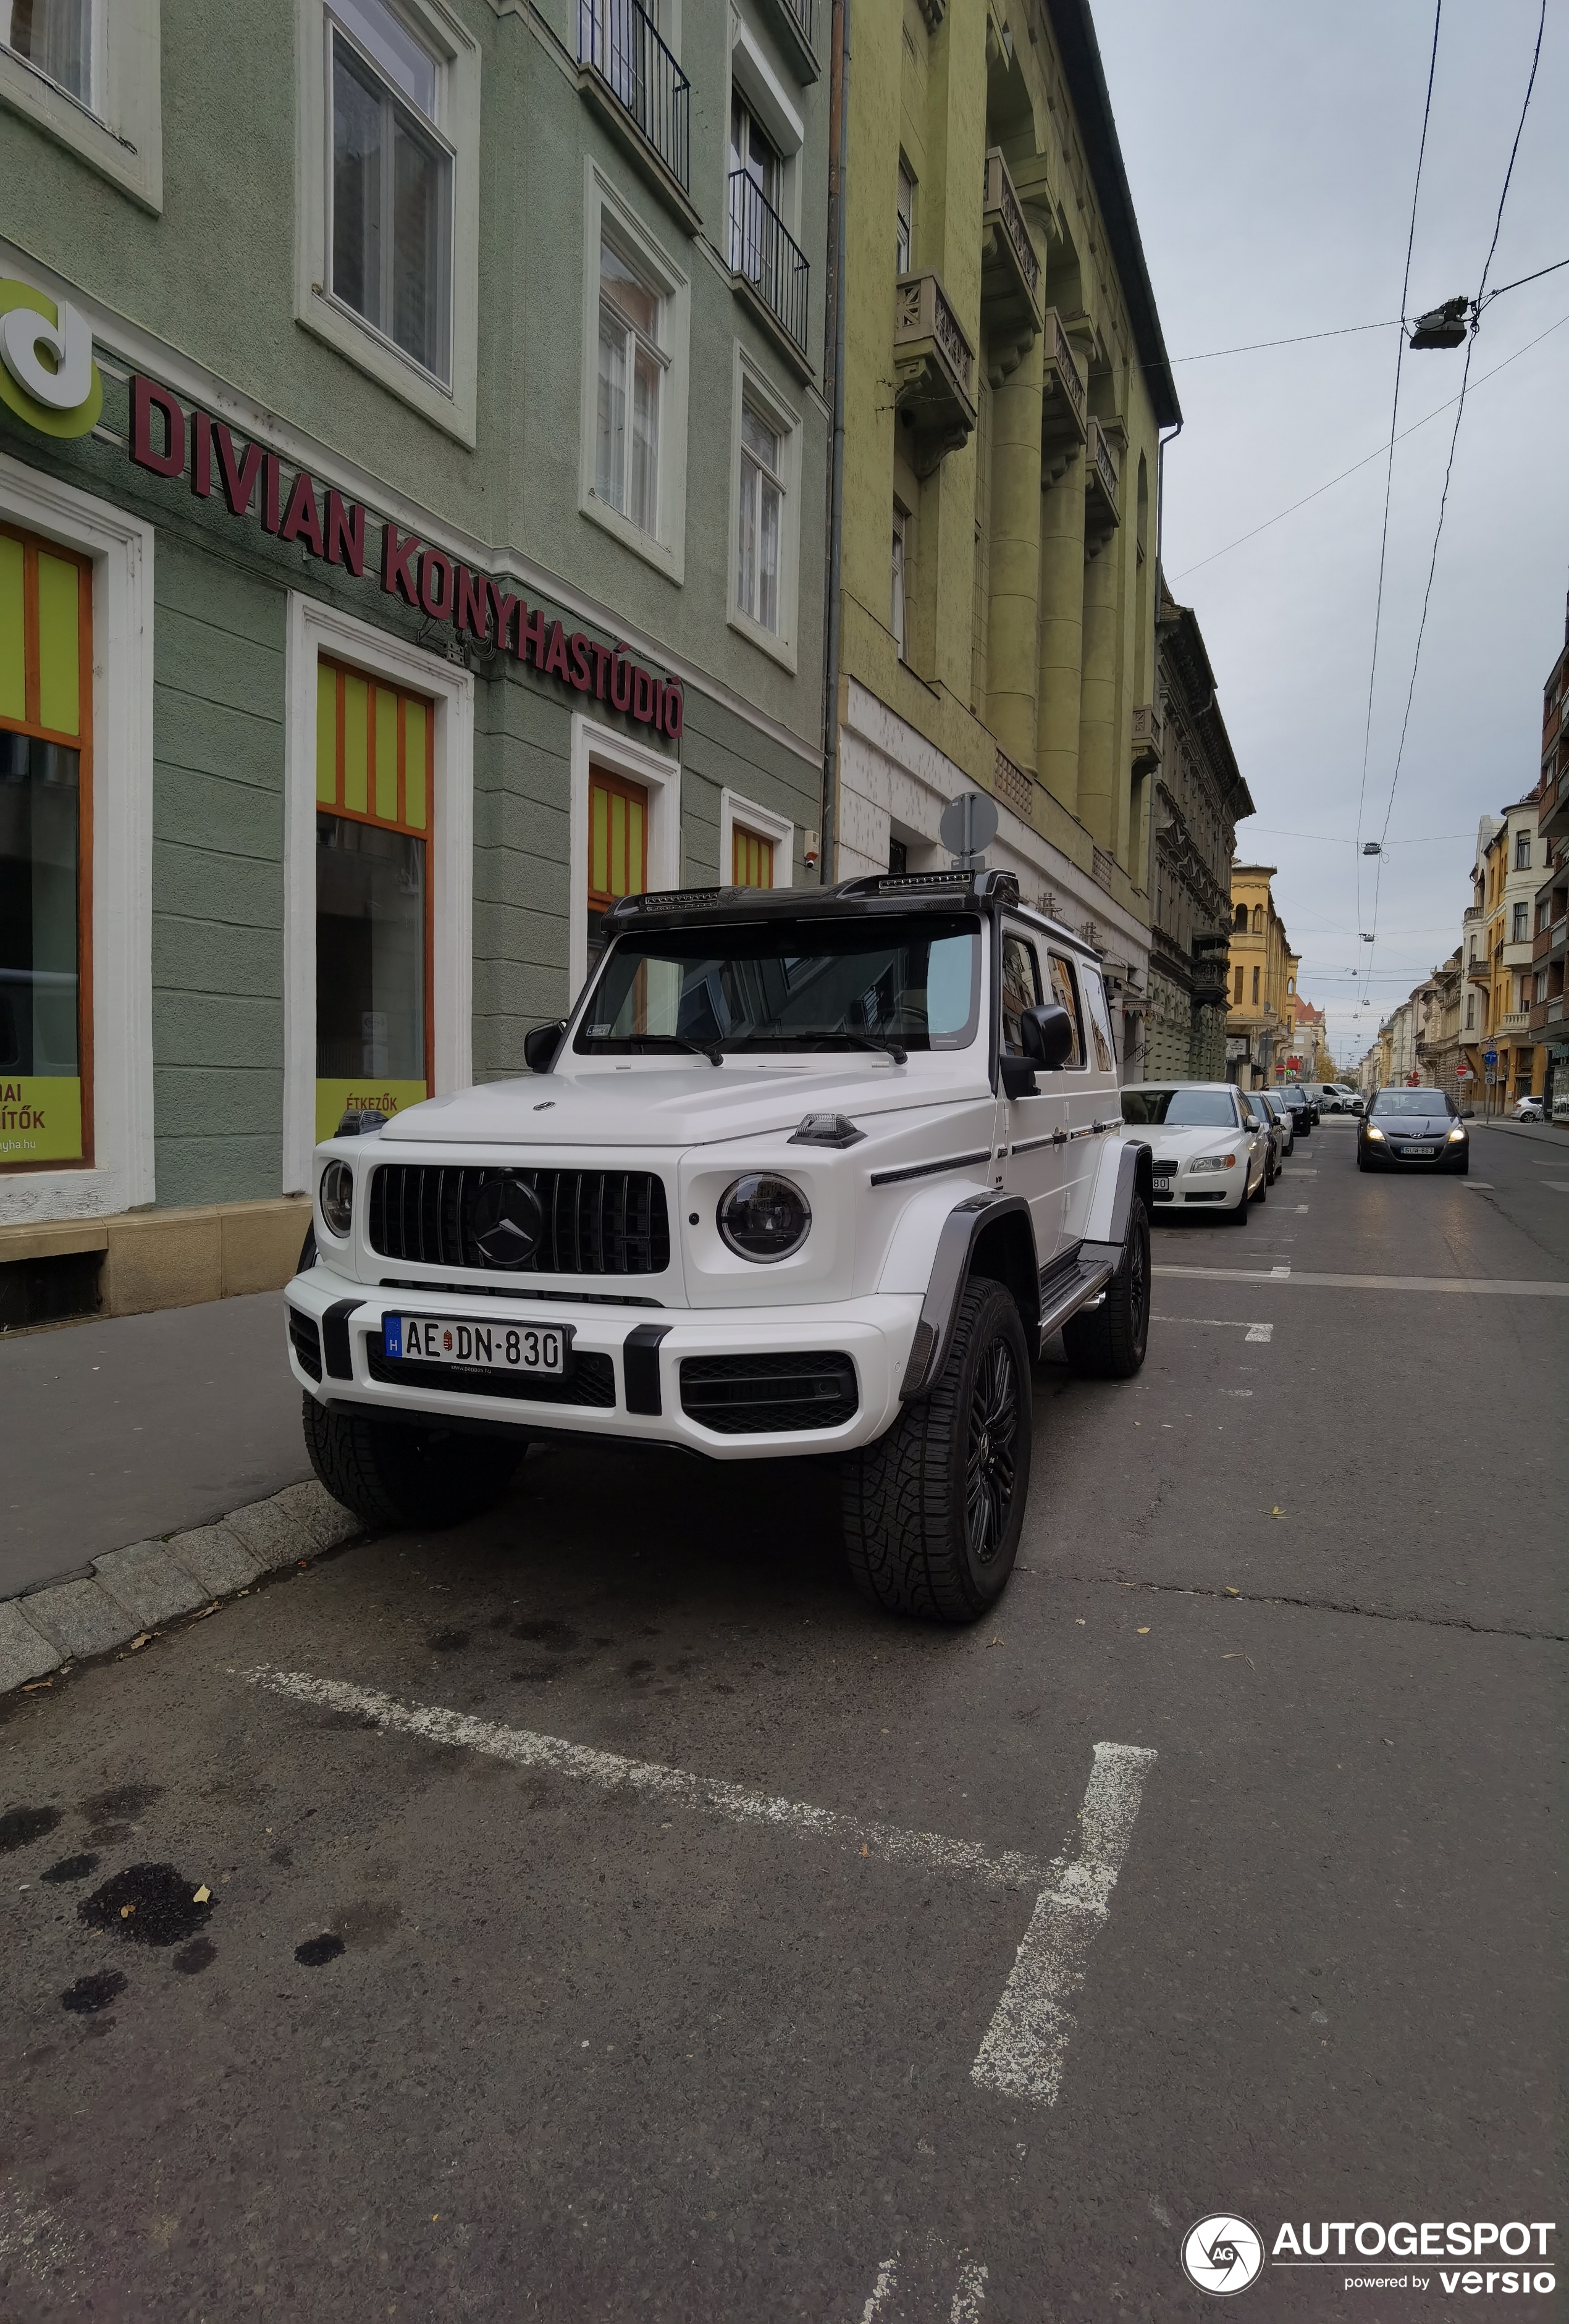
[(587, 2041)]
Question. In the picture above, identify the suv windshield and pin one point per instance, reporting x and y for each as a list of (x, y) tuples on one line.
[(1411, 1100), (1180, 1108), (807, 984)]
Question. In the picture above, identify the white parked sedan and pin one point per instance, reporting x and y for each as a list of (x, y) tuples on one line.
[(1208, 1153)]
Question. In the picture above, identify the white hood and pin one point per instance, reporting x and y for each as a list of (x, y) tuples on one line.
[(676, 1105), (1182, 1145)]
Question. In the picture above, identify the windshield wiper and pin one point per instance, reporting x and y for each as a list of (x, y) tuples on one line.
[(891, 1047), (711, 1050)]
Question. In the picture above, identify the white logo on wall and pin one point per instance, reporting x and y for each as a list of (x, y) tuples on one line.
[(1222, 2254)]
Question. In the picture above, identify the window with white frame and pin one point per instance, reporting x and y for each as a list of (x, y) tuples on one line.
[(896, 617), (389, 237), (761, 527), (633, 362), (56, 37), (1522, 919), (1522, 850)]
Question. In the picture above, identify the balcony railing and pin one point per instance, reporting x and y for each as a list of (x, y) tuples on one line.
[(619, 41), (934, 370), (1149, 736), (1013, 786), (1514, 1020), (1065, 401), (762, 254)]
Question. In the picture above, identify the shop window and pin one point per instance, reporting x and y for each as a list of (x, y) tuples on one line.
[(750, 858), (618, 846), (46, 661), (375, 781), (391, 231), (56, 36)]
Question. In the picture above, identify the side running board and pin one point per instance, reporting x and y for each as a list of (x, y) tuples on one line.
[(1064, 1290)]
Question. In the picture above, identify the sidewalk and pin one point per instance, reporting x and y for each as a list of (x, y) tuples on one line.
[(120, 1431), (1543, 1133)]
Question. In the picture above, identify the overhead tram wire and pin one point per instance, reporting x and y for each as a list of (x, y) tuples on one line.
[(1357, 466), (1389, 472), (1342, 330), (1478, 305)]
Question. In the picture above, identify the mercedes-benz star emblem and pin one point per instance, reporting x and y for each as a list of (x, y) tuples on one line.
[(505, 1219)]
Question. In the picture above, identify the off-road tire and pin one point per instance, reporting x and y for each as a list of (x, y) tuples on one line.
[(910, 1528), (387, 1474), (1108, 1342)]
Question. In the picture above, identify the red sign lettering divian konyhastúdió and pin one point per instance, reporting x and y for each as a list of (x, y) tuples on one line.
[(424, 579)]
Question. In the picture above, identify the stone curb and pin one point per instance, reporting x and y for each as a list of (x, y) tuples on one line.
[(151, 1582)]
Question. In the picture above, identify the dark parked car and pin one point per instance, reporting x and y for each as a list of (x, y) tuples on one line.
[(1300, 1107), (1412, 1129)]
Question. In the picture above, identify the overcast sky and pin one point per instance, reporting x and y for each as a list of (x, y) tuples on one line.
[(1272, 150)]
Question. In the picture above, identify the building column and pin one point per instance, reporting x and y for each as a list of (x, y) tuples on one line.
[(1062, 612), (1015, 561), (1097, 737)]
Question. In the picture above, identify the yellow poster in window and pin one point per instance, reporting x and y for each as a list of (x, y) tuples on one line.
[(41, 1119), (335, 1099)]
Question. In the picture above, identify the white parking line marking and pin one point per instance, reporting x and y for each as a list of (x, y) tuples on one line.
[(1265, 1331), (1372, 1282), (1027, 2040), (1557, 1184), (1300, 1208), (930, 1850)]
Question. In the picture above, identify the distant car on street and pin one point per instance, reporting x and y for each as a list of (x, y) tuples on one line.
[(1208, 1152), (1527, 1109), (1412, 1129), (1300, 1105), (1277, 1106)]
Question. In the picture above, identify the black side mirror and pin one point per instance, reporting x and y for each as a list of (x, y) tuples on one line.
[(540, 1046), (1047, 1036)]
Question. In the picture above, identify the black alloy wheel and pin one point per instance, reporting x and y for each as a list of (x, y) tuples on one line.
[(989, 1469)]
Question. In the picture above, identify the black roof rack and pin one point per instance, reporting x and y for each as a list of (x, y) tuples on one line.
[(932, 890)]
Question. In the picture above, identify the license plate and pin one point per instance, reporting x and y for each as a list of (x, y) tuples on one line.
[(1425, 1152), (493, 1346), (1163, 1177)]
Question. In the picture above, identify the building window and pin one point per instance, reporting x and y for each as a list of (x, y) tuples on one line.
[(46, 664), (56, 37), (753, 153), (896, 615), (1258, 919), (618, 845), (391, 228), (1255, 988), (1522, 850), (757, 576), (1522, 920), (904, 220), (375, 783), (1237, 997), (1471, 1012), (631, 368)]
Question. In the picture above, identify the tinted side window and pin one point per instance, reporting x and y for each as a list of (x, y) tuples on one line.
[(1021, 988), (1065, 991)]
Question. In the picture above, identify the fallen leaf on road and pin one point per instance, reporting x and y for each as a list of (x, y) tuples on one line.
[(38, 1685), (203, 1895), (864, 1850), (143, 1638), (993, 1642), (1144, 1632), (1231, 1592), (1277, 1513), (126, 1911)]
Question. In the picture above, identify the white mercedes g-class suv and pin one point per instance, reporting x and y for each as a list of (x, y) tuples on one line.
[(806, 1171)]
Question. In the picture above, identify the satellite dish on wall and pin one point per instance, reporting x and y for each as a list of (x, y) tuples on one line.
[(968, 827)]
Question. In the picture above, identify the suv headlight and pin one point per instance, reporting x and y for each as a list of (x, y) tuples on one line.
[(1212, 1162), (763, 1218), (337, 1198)]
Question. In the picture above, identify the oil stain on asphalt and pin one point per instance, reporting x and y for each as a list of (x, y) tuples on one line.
[(147, 1905), (20, 1827), (317, 1952), (71, 1868), (89, 1994)]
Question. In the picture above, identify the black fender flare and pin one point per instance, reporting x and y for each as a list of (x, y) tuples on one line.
[(962, 1230)]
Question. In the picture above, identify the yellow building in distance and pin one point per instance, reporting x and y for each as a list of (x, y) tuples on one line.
[(1261, 1014), (1005, 382)]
